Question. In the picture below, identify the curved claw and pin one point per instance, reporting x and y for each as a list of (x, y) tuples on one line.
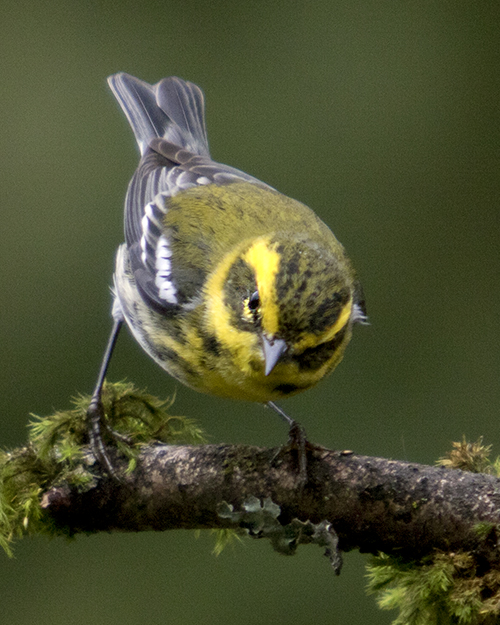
[(297, 439), (95, 416)]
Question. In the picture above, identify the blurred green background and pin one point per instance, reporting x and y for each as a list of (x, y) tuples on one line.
[(383, 117)]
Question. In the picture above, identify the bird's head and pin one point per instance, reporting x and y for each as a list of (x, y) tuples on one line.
[(284, 305)]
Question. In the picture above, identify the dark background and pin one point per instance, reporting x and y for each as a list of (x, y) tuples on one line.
[(383, 117)]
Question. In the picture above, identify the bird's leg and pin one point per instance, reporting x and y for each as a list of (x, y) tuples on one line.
[(297, 440), (95, 411)]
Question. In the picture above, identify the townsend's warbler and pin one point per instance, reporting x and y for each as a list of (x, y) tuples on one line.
[(233, 288)]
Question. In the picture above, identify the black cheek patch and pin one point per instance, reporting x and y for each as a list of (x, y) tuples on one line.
[(239, 281), (315, 357), (328, 311)]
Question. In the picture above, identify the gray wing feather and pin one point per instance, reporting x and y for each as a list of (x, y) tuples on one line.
[(169, 126)]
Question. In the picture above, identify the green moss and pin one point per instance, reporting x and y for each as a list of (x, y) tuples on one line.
[(57, 452), (444, 588), (224, 538), (473, 457)]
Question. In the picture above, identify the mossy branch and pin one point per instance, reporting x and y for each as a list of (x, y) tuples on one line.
[(373, 504), (439, 523)]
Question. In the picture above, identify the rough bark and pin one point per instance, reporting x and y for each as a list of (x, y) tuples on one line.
[(373, 504)]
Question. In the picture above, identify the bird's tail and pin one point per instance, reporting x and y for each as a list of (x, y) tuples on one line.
[(173, 110)]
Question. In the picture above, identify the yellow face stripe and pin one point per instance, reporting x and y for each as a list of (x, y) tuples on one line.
[(218, 315), (265, 261)]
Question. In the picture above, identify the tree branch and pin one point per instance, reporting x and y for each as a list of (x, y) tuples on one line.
[(436, 529), (372, 504)]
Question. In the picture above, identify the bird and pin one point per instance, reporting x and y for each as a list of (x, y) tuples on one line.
[(233, 288)]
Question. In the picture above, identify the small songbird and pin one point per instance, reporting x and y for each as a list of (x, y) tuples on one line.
[(233, 288)]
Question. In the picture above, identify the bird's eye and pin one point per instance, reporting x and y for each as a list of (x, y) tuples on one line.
[(254, 301)]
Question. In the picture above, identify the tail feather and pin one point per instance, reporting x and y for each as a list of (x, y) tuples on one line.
[(173, 110)]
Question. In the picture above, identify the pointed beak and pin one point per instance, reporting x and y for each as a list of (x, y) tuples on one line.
[(273, 350)]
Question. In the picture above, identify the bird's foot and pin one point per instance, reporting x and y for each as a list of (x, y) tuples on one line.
[(297, 441), (96, 425)]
